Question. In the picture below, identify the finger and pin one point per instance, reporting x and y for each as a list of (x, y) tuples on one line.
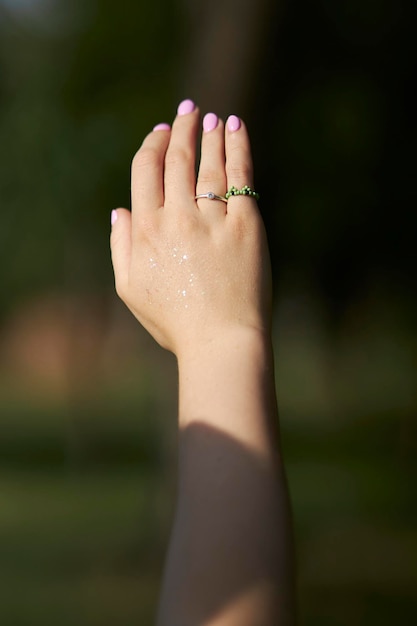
[(120, 244), (239, 168), (180, 157), (148, 170), (211, 174)]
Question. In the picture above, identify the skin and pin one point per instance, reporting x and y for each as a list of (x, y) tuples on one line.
[(196, 274)]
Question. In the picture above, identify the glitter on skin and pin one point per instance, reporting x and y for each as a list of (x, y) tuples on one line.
[(182, 296)]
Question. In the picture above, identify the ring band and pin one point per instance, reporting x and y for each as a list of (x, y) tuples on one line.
[(211, 196)]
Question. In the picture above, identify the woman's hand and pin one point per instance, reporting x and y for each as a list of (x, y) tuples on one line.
[(192, 270)]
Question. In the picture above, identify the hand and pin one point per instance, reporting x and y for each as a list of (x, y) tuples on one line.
[(192, 271)]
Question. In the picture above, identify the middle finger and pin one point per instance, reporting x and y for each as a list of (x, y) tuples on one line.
[(180, 156)]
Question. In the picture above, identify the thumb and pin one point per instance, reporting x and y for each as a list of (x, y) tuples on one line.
[(120, 244)]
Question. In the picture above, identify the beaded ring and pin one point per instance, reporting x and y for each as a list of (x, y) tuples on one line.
[(245, 191)]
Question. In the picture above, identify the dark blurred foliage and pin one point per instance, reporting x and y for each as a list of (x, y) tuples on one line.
[(81, 84), (336, 138), (87, 402)]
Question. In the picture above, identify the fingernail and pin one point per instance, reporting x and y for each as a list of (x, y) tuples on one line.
[(233, 123), (162, 126), (210, 122), (113, 217), (186, 106)]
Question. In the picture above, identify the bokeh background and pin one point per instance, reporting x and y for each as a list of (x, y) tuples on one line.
[(88, 400)]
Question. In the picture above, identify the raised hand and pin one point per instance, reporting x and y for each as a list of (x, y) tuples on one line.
[(192, 270)]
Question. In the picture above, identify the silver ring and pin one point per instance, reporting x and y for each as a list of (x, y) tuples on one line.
[(211, 196)]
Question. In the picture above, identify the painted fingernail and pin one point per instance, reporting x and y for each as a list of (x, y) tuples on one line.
[(162, 126), (210, 122), (186, 106), (233, 123), (113, 217)]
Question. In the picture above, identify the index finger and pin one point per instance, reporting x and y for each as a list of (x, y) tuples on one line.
[(148, 170)]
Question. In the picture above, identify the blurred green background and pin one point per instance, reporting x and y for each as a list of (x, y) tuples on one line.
[(88, 401)]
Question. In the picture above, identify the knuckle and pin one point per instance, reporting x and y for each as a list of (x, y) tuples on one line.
[(176, 155), (241, 227), (208, 175), (241, 172), (147, 226), (245, 226), (187, 223), (115, 240), (145, 157)]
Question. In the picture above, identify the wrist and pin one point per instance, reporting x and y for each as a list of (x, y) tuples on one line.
[(229, 384), (233, 342)]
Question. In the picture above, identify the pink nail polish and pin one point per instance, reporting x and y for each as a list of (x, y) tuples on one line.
[(113, 217), (162, 126), (210, 122), (233, 123), (186, 106)]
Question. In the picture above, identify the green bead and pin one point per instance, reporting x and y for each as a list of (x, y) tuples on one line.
[(244, 191)]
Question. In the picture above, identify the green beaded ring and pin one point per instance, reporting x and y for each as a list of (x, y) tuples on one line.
[(245, 191)]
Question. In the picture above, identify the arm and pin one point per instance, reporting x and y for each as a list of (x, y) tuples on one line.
[(197, 276)]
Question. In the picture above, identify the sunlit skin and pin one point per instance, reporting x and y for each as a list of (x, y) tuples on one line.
[(196, 275)]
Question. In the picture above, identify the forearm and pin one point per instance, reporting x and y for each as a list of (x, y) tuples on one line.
[(230, 559)]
